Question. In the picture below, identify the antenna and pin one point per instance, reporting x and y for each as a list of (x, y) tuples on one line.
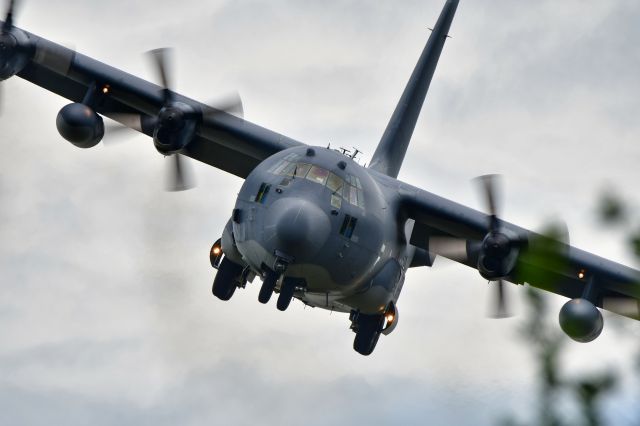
[(345, 152)]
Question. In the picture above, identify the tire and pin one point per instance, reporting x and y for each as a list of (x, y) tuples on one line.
[(286, 294), (224, 284), (267, 288), (368, 334)]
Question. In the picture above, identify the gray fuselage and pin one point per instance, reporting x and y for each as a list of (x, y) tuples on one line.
[(333, 223)]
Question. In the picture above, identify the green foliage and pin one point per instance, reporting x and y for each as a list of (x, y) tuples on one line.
[(611, 210), (547, 344)]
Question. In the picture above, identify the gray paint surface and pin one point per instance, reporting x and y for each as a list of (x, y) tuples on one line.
[(549, 114)]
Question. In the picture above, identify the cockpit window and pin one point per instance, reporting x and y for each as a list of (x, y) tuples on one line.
[(318, 175), (361, 198), (301, 170), (349, 189), (289, 169), (353, 195), (336, 201), (335, 183)]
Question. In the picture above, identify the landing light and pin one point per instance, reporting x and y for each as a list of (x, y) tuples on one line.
[(390, 318), (581, 274), (105, 89), (216, 250)]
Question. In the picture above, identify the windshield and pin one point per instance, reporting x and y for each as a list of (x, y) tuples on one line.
[(349, 190)]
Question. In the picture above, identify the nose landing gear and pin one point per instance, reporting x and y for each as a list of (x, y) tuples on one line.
[(268, 285), (287, 289)]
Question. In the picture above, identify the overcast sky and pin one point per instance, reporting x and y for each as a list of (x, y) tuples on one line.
[(106, 314)]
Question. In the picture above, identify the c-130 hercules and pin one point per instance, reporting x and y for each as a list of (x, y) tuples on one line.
[(311, 222)]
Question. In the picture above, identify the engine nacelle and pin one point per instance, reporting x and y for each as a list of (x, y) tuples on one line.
[(80, 125), (498, 254), (581, 320), (14, 52), (175, 128)]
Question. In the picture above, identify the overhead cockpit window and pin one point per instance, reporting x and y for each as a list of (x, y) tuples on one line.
[(318, 175)]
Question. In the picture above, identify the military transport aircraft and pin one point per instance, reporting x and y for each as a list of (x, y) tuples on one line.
[(311, 222)]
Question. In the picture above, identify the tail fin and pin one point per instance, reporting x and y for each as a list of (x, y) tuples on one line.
[(390, 152)]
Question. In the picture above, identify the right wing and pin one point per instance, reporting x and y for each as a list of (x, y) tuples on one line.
[(543, 262), (222, 140)]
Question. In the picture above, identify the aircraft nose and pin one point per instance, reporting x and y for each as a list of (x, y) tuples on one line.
[(301, 227)]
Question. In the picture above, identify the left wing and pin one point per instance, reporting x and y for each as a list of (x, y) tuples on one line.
[(222, 140), (540, 260)]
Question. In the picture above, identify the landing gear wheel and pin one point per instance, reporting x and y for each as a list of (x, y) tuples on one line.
[(268, 285), (286, 294), (368, 333), (224, 284)]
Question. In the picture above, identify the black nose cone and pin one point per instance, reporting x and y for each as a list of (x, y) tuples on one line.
[(301, 227)]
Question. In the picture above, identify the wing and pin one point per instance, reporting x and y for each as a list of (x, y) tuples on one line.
[(222, 140), (542, 261)]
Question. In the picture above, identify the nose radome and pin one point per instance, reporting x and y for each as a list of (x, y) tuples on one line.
[(301, 227)]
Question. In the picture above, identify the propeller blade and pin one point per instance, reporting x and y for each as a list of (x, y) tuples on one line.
[(490, 195), (121, 126), (230, 104), (180, 177), (116, 133), (8, 20), (451, 248), (161, 62), (500, 309)]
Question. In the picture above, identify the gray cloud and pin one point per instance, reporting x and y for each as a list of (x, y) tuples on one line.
[(105, 307)]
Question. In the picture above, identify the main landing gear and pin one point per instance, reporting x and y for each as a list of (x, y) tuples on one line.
[(367, 329), (232, 275), (228, 278)]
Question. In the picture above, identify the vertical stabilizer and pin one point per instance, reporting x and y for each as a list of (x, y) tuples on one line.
[(392, 147)]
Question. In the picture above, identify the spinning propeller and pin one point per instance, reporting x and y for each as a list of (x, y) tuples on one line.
[(175, 125), (496, 245), (8, 20), (502, 252), (12, 45)]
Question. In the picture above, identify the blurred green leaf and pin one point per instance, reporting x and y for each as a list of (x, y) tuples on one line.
[(634, 242), (611, 209)]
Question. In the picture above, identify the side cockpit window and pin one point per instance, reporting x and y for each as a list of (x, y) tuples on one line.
[(348, 226)]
